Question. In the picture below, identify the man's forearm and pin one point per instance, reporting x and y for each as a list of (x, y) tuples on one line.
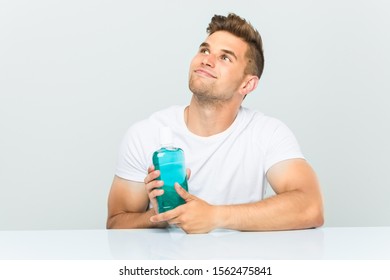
[(290, 210), (128, 220)]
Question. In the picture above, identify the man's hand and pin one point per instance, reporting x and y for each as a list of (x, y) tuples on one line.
[(153, 186), (195, 216)]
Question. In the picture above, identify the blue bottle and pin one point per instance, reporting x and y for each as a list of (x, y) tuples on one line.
[(170, 161)]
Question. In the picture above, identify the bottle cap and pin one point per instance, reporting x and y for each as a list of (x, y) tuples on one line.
[(166, 138)]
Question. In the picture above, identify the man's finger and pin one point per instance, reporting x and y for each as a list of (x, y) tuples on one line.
[(182, 192), (188, 173), (163, 217)]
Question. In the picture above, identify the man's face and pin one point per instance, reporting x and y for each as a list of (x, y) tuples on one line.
[(217, 70)]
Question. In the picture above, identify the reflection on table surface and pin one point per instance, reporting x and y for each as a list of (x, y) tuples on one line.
[(172, 243)]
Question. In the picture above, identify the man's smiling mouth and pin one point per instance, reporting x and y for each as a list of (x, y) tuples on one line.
[(205, 73)]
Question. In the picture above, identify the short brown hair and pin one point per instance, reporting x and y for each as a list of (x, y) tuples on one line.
[(244, 30)]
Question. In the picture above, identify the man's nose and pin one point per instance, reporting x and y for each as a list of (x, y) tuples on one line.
[(209, 60)]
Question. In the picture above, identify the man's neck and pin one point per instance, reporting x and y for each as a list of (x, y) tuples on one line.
[(207, 120)]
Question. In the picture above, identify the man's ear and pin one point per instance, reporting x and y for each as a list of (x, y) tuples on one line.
[(249, 85)]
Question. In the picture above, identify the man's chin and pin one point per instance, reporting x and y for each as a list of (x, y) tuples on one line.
[(199, 89)]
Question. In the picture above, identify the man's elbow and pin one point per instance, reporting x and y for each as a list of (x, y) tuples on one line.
[(319, 220), (315, 217), (112, 222), (109, 223)]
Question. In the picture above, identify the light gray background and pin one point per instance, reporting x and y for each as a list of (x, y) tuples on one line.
[(75, 74)]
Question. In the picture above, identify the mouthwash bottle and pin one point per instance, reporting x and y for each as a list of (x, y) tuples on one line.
[(170, 161)]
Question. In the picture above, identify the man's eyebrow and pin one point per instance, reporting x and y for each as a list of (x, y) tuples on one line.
[(204, 44), (207, 45), (231, 53)]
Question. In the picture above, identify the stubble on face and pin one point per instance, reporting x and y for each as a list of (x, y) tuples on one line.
[(205, 93), (202, 91)]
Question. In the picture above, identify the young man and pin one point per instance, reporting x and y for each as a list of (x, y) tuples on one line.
[(231, 151)]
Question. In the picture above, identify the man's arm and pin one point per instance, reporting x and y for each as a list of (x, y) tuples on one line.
[(296, 205), (128, 204)]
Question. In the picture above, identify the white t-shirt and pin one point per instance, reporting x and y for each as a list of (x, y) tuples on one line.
[(226, 168)]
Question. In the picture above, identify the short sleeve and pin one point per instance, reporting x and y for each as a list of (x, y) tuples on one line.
[(131, 163), (282, 145)]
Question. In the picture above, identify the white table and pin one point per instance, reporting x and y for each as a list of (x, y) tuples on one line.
[(327, 243)]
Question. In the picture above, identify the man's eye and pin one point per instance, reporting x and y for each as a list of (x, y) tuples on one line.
[(226, 58), (205, 51)]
